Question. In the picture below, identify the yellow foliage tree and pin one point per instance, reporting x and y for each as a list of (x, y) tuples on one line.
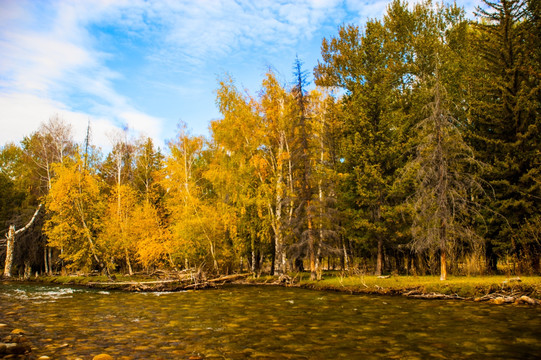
[(116, 226), (75, 206), (151, 238), (191, 219)]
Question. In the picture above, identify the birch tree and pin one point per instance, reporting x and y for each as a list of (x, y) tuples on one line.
[(75, 205), (10, 242)]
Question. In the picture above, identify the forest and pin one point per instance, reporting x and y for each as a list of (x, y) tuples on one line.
[(413, 147)]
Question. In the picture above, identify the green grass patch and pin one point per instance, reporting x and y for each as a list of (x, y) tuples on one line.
[(464, 286), (459, 285)]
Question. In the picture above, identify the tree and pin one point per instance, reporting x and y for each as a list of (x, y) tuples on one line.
[(49, 145), (117, 220), (360, 64), (254, 138), (192, 220), (116, 226), (52, 143), (150, 236), (75, 205), (506, 124), (327, 217), (442, 210), (10, 242), (148, 164), (303, 162)]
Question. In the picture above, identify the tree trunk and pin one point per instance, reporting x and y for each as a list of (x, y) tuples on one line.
[(311, 250), (130, 271), (46, 260), (319, 265), (345, 261), (27, 270), (279, 253), (443, 260), (379, 262), (10, 244), (50, 262)]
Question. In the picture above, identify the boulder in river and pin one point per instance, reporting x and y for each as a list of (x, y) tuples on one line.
[(14, 348), (103, 357)]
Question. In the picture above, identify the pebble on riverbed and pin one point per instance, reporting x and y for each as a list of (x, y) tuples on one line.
[(15, 345), (102, 357)]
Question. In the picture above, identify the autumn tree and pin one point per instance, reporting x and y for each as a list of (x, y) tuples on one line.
[(51, 144), (275, 164), (326, 126), (117, 169), (146, 172), (192, 220), (76, 205)]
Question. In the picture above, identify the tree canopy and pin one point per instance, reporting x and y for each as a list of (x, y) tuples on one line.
[(415, 150)]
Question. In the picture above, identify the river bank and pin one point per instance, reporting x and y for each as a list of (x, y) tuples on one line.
[(494, 289), (260, 322)]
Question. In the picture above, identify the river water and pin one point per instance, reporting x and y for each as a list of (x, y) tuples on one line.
[(263, 322)]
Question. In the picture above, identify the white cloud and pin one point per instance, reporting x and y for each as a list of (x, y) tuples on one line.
[(54, 61), (22, 114), (45, 68)]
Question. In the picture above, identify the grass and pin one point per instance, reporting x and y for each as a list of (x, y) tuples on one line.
[(469, 287), (463, 286)]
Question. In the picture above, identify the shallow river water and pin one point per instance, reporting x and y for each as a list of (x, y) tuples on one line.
[(264, 323)]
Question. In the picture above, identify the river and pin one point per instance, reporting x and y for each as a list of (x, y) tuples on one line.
[(264, 322)]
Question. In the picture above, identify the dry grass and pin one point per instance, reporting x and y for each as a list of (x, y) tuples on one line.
[(460, 285)]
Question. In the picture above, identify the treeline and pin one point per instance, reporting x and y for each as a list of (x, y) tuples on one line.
[(419, 151)]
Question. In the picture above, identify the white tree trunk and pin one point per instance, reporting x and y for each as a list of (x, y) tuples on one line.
[(10, 243)]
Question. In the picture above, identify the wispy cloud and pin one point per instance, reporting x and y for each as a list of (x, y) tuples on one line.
[(104, 59), (54, 67)]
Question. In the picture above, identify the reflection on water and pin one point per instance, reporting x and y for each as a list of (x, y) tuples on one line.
[(264, 322)]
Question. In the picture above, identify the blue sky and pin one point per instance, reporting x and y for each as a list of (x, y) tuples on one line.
[(150, 64)]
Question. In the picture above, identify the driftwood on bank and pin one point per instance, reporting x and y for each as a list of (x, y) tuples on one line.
[(186, 282), (499, 299), (432, 296)]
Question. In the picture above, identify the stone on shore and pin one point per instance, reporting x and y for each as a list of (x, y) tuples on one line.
[(526, 300)]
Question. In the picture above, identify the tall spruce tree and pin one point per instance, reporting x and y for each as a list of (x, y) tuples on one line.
[(506, 125), (359, 63)]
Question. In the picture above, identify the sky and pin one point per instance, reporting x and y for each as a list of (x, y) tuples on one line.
[(146, 65)]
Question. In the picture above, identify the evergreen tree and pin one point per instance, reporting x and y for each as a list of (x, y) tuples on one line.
[(359, 63), (506, 125)]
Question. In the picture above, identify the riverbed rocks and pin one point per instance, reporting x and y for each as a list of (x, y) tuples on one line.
[(14, 346), (500, 299), (103, 357), (526, 300)]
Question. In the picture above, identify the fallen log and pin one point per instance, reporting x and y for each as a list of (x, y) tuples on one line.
[(121, 283), (228, 278), (434, 296), (185, 283)]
